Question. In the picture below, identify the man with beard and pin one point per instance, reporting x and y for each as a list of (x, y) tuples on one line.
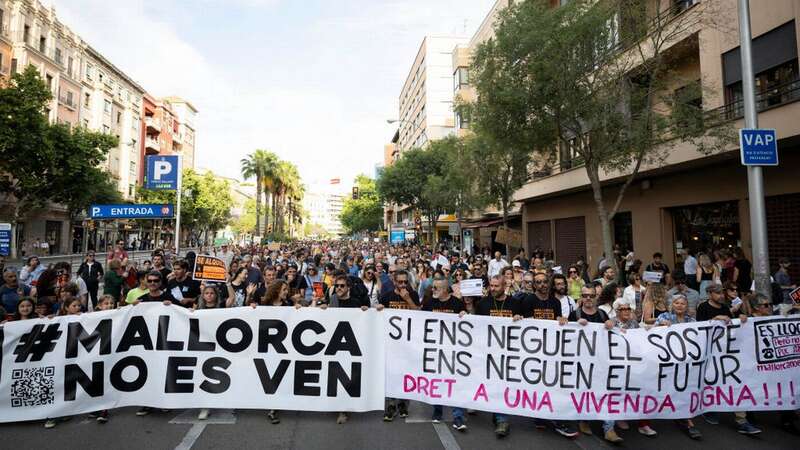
[(560, 293), (498, 304)]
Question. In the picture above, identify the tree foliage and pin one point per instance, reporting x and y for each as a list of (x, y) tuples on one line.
[(205, 206), (42, 162), (590, 83), (364, 214)]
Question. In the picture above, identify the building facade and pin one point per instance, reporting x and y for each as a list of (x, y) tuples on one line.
[(89, 91), (691, 200)]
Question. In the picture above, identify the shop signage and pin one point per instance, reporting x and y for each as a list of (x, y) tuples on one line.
[(5, 239), (162, 172), (759, 147), (130, 211)]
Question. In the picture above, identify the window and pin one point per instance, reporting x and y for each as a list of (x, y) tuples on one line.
[(100, 76), (775, 86), (42, 44), (130, 190), (69, 98), (119, 117), (70, 61), (462, 120), (107, 106), (87, 100), (89, 71), (26, 34), (460, 78), (133, 168), (13, 65), (85, 123), (49, 81), (59, 57), (688, 106)]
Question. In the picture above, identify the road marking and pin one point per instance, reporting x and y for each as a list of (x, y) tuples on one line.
[(191, 436), (446, 437), (216, 417)]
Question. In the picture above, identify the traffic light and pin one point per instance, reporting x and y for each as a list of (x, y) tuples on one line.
[(355, 192)]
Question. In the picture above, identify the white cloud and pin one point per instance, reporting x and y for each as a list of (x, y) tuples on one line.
[(322, 106)]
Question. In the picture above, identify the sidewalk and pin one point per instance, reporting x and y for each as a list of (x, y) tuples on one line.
[(75, 259)]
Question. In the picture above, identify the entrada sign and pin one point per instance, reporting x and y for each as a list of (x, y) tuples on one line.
[(130, 211)]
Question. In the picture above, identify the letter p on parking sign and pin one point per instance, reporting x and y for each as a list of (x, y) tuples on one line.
[(162, 172)]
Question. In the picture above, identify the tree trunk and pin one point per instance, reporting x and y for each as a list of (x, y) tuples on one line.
[(267, 209), (602, 214), (505, 225), (258, 206)]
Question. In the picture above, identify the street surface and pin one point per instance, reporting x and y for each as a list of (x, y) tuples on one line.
[(180, 429)]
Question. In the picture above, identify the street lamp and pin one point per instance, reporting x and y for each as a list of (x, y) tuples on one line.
[(413, 124)]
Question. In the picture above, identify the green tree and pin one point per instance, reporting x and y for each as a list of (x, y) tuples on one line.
[(589, 83), (364, 214), (245, 223), (255, 165), (406, 182), (40, 162)]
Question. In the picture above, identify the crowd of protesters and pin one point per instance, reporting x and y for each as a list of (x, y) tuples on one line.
[(349, 274)]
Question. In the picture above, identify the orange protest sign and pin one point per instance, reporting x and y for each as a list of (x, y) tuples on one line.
[(209, 268)]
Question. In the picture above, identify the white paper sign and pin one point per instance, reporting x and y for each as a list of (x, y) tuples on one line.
[(557, 269), (652, 277), (472, 287), (541, 369)]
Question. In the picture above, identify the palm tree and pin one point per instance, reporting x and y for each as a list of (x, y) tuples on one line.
[(287, 181), (271, 162), (254, 166)]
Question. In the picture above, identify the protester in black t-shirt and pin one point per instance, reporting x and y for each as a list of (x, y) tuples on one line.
[(497, 303), (181, 285), (541, 304), (158, 264), (715, 308), (658, 266), (401, 297), (344, 297), (155, 293), (297, 284)]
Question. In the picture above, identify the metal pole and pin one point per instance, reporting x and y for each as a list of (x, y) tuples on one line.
[(178, 195), (755, 179)]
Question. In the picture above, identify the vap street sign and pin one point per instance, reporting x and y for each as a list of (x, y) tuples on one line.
[(759, 147), (162, 172), (130, 211)]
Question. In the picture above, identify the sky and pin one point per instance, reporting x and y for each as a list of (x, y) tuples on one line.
[(312, 80)]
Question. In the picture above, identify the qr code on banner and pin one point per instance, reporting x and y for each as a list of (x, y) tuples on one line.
[(33, 387)]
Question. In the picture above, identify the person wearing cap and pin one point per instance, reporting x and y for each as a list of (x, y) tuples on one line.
[(717, 308)]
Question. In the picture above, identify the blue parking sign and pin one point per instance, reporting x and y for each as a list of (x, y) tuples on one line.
[(162, 172), (759, 147)]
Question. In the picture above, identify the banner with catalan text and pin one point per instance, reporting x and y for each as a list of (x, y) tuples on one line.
[(349, 360), (542, 369)]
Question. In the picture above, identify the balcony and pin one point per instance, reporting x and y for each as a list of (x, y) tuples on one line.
[(177, 138), (767, 99), (4, 31), (151, 146), (69, 103), (152, 124)]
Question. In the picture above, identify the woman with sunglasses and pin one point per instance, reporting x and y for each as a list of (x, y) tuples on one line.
[(574, 282), (372, 283)]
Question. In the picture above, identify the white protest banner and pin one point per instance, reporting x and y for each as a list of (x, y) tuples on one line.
[(541, 369), (471, 288), (652, 277), (170, 357)]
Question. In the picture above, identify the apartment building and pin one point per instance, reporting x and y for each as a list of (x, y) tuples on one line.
[(183, 141), (692, 200), (425, 107), (90, 91)]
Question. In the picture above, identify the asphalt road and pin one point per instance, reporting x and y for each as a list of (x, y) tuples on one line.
[(180, 429)]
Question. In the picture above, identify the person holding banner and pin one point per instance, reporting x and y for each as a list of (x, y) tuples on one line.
[(154, 291), (717, 308), (441, 301), (498, 304), (401, 297), (345, 297), (183, 287), (588, 312)]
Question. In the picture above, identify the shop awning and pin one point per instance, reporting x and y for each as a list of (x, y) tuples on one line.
[(485, 223)]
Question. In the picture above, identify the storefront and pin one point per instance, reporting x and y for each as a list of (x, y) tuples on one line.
[(707, 227)]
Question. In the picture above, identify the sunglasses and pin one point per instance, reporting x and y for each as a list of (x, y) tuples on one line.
[(623, 309), (341, 286), (154, 281), (573, 271), (588, 295), (540, 282)]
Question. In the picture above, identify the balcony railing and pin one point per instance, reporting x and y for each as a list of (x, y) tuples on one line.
[(767, 99), (152, 123), (70, 103), (152, 143)]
